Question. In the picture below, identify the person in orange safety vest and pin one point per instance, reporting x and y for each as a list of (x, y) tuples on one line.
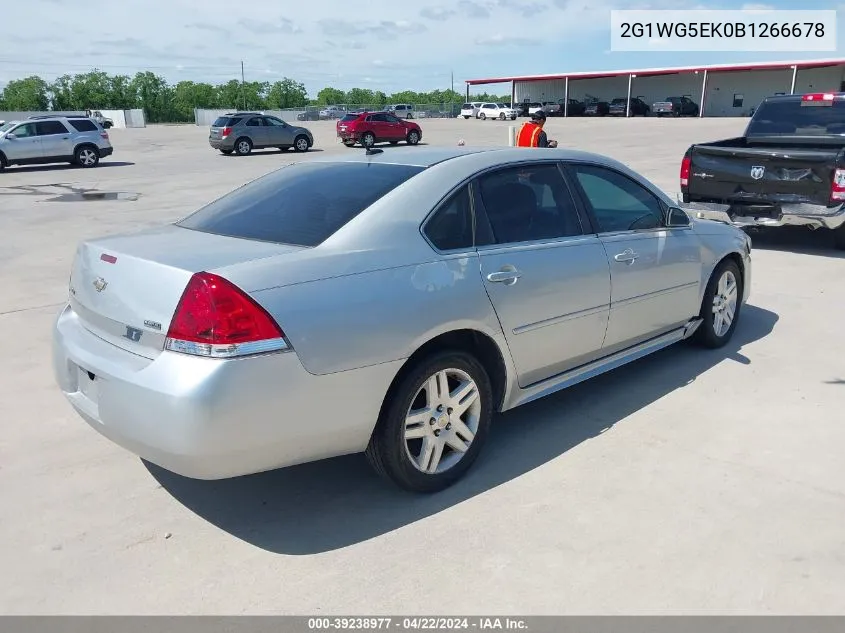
[(531, 133)]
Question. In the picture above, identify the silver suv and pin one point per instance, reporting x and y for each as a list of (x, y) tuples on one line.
[(53, 139), (241, 132)]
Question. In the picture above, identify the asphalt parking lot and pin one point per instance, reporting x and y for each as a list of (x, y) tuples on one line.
[(688, 482)]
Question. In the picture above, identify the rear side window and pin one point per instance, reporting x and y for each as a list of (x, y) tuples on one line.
[(466, 106), (303, 204), (350, 117), (790, 117), (46, 128), (83, 125), (451, 226), (226, 121)]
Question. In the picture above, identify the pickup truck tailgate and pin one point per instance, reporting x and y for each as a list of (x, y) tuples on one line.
[(762, 175)]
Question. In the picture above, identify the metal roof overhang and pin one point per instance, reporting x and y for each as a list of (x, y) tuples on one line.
[(653, 72)]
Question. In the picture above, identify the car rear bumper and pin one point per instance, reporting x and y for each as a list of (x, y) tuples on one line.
[(212, 418), (225, 143), (106, 151), (809, 215)]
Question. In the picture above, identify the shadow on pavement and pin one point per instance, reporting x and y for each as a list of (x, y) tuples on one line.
[(15, 169), (796, 239), (322, 506)]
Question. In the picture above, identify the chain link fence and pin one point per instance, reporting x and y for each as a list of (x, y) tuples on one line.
[(205, 117)]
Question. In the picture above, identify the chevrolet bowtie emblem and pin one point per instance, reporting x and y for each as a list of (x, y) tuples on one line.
[(100, 284)]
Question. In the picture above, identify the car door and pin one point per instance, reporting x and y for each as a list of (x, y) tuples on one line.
[(257, 131), (56, 141), (546, 276), (278, 132), (394, 128), (655, 271), (24, 144), (379, 125)]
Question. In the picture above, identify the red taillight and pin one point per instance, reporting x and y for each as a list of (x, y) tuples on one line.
[(686, 163), (837, 187), (104, 135), (226, 132), (818, 96), (217, 319)]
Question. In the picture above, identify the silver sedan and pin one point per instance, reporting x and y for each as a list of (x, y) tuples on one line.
[(387, 303)]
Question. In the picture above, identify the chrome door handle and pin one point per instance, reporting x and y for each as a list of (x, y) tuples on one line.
[(628, 256), (508, 277)]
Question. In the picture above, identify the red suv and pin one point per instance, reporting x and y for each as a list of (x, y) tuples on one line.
[(369, 128)]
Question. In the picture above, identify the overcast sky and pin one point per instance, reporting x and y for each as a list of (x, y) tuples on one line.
[(385, 45)]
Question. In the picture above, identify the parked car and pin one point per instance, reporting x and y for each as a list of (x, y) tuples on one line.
[(53, 139), (596, 108), (242, 132), (388, 303), (103, 121), (675, 106), (308, 115), (370, 128), (401, 110), (787, 169), (619, 107), (332, 112), (470, 110), (496, 111), (573, 107)]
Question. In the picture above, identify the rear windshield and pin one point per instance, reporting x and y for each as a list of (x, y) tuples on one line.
[(351, 117), (83, 125), (466, 106), (791, 118), (226, 121), (303, 204)]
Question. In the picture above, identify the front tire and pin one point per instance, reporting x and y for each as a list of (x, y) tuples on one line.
[(433, 423), (413, 137), (300, 144), (721, 306)]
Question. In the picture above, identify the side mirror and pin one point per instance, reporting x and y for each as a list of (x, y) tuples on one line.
[(676, 217), (11, 137)]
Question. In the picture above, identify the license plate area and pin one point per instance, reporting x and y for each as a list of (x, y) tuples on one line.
[(88, 384)]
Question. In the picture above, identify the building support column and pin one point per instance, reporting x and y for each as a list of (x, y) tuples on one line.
[(794, 77), (467, 93), (703, 94), (628, 103), (566, 98), (513, 94)]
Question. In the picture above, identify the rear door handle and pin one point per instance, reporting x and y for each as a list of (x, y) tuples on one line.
[(505, 276), (627, 256)]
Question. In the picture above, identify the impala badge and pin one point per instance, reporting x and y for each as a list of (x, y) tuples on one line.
[(133, 334), (100, 284), (757, 172)]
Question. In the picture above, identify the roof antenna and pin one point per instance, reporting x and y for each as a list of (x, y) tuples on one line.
[(372, 151)]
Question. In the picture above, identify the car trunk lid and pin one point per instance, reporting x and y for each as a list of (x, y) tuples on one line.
[(125, 289)]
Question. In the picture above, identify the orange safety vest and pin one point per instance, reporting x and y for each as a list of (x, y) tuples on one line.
[(528, 135)]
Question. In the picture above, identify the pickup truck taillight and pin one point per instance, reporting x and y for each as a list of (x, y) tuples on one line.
[(686, 163), (837, 187)]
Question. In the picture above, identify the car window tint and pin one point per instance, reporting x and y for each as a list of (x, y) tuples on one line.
[(529, 203), (792, 117), (273, 121), (618, 203), (83, 125), (24, 131), (352, 117), (255, 122), (450, 227), (293, 205), (46, 128)]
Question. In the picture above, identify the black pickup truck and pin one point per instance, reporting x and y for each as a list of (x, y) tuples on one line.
[(787, 169)]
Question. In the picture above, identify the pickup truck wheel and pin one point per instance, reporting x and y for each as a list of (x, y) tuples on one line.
[(434, 422), (721, 306), (838, 236)]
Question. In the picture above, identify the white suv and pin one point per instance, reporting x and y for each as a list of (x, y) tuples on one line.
[(470, 109), (45, 139), (496, 111)]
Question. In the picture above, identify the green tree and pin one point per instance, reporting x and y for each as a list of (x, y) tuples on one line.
[(28, 94), (154, 95), (331, 96), (287, 93), (361, 96), (188, 95)]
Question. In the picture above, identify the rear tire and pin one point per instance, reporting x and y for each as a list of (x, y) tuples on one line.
[(243, 146), (466, 117), (368, 139), (421, 456), (226, 151), (502, 116), (87, 156), (721, 306), (482, 116), (838, 237), (349, 143)]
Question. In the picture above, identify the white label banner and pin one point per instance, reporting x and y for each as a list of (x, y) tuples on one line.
[(750, 30)]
